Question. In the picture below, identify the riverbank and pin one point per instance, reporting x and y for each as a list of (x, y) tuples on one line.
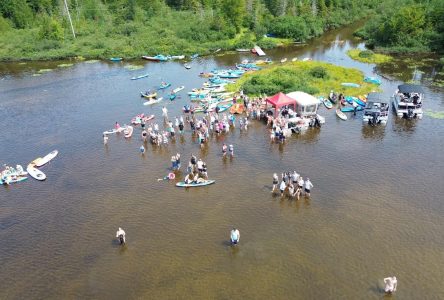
[(368, 56), (313, 77)]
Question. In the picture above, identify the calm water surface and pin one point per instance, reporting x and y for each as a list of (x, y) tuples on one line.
[(376, 208)]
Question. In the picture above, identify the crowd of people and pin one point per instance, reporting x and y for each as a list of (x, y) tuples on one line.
[(293, 183)]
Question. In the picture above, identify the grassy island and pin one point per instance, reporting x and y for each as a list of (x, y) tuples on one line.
[(368, 56), (317, 78)]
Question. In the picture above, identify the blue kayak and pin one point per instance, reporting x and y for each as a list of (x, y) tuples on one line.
[(206, 182), (350, 84), (172, 97), (115, 59), (351, 109), (162, 87), (373, 80)]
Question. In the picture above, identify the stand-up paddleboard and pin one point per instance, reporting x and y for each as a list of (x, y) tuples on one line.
[(128, 131), (120, 129), (140, 77), (327, 103), (206, 182), (46, 159), (153, 101), (35, 173), (178, 89), (341, 115)]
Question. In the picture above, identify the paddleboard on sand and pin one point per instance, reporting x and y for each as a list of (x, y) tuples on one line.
[(46, 159), (35, 173), (183, 184)]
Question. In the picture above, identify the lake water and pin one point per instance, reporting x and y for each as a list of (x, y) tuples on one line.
[(376, 209)]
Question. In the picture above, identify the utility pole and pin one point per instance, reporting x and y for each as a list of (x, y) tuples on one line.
[(70, 21)]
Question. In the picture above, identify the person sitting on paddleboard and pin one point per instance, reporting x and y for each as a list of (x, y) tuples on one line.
[(234, 236), (121, 235), (189, 178), (197, 179)]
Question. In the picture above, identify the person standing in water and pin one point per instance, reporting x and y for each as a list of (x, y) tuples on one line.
[(231, 149), (282, 188), (105, 139), (121, 235), (177, 161), (275, 182), (165, 112), (224, 150), (308, 186), (300, 186), (390, 284), (234, 236)]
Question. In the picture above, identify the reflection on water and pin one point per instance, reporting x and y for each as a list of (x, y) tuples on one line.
[(375, 208)]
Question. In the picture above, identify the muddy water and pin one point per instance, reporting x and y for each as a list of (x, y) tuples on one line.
[(376, 208)]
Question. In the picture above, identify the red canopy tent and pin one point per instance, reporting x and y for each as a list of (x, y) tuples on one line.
[(279, 100)]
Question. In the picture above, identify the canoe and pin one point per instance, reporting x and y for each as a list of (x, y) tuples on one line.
[(359, 101), (351, 109), (341, 115), (187, 66), (373, 80), (327, 103), (153, 101), (115, 59), (35, 173), (176, 90), (283, 60), (206, 182), (350, 84), (128, 131), (173, 96), (164, 86), (13, 180), (46, 159), (224, 107), (140, 77), (349, 99), (152, 95), (178, 57), (158, 57)]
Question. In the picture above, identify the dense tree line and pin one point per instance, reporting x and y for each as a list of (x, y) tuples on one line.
[(406, 26)]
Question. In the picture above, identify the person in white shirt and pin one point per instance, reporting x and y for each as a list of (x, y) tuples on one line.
[(164, 112), (275, 182), (231, 150), (355, 107), (200, 165), (300, 186), (390, 284), (121, 235), (282, 187), (234, 236), (308, 185), (156, 128)]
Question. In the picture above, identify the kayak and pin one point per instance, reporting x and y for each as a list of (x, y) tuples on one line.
[(128, 131), (373, 80), (359, 101), (158, 57), (178, 57), (172, 97), (326, 102), (139, 77), (283, 60), (350, 84), (341, 115), (149, 96), (351, 109), (164, 86), (362, 98), (115, 59), (13, 180), (206, 182), (187, 66), (153, 101), (35, 173), (42, 161), (224, 107), (176, 90)]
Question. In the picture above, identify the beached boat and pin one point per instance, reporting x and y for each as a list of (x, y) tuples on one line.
[(115, 59), (350, 84), (158, 57), (283, 60), (327, 103), (140, 77), (148, 96), (407, 101), (177, 56), (294, 59), (376, 109), (258, 51), (373, 80)]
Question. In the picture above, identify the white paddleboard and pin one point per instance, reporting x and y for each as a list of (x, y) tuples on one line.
[(35, 173), (46, 159)]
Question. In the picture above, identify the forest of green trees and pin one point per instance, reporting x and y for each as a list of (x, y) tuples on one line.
[(39, 29)]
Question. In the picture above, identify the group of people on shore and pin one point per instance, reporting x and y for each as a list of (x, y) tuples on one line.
[(292, 182)]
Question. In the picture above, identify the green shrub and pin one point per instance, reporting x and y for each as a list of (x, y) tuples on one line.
[(51, 30), (319, 72), (366, 54), (267, 44)]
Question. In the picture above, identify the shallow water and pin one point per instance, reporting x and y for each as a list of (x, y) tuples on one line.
[(376, 208)]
